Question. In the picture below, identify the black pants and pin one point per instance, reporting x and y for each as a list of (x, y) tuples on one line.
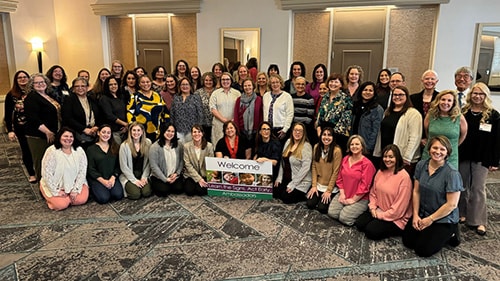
[(430, 240), (25, 149), (315, 202), (288, 198), (376, 229), (163, 189), (193, 188)]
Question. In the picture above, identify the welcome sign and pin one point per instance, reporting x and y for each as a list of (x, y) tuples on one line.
[(244, 179)]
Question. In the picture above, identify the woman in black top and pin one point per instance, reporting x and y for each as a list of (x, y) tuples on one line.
[(232, 145), (478, 154), (43, 117), (267, 147), (15, 118)]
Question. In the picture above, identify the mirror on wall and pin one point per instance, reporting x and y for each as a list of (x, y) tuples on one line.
[(239, 45), (487, 55)]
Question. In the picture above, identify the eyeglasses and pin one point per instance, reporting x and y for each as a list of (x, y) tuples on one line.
[(39, 82), (463, 76), (396, 81)]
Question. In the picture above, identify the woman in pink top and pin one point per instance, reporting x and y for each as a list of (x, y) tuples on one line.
[(390, 198), (354, 182)]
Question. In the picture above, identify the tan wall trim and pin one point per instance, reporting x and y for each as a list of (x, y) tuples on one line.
[(8, 6), (323, 4), (113, 8)]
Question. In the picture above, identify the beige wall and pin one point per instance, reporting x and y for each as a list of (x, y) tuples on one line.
[(184, 39), (70, 31), (411, 43), (79, 37), (5, 78), (310, 40)]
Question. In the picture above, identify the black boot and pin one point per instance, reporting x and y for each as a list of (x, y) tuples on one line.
[(455, 237)]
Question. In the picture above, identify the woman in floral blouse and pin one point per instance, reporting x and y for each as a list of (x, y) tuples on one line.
[(336, 111)]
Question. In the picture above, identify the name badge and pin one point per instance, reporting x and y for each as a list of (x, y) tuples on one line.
[(485, 127), (66, 93)]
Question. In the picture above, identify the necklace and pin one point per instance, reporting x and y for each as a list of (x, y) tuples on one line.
[(476, 113), (434, 169)]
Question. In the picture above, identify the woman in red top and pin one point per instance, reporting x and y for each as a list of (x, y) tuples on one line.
[(354, 182), (248, 111)]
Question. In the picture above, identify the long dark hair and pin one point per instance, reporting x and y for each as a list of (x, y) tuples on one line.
[(372, 103), (64, 79), (258, 137), (124, 79), (302, 69), (161, 139), (397, 154), (379, 84), (319, 146), (407, 104), (188, 70), (315, 80), (16, 90), (114, 147)]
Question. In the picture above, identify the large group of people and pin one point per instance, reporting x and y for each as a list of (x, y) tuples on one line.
[(368, 154)]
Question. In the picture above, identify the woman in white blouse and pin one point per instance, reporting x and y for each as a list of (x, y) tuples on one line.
[(221, 105), (64, 170)]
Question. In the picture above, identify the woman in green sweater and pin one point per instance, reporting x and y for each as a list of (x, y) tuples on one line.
[(103, 168)]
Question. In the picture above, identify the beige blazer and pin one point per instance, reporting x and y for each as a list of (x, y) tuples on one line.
[(196, 168)]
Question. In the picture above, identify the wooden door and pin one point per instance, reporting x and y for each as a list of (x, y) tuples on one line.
[(153, 42), (358, 38)]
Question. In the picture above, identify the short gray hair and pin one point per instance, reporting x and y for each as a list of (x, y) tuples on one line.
[(465, 69)]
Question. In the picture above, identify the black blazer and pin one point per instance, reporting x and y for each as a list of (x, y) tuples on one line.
[(73, 115), (417, 100), (39, 111)]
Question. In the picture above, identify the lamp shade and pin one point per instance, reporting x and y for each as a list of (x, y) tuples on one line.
[(36, 44)]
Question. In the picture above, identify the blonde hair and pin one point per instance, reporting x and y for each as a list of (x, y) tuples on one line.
[(487, 104), (297, 153), (144, 149), (434, 111)]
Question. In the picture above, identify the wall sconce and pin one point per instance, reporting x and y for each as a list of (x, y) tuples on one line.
[(37, 46)]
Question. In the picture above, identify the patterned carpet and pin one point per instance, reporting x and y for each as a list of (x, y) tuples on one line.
[(212, 238)]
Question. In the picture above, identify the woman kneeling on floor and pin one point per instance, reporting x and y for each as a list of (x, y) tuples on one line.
[(390, 198), (134, 163), (294, 177), (64, 167), (325, 170), (103, 168), (435, 199), (354, 182), (166, 158)]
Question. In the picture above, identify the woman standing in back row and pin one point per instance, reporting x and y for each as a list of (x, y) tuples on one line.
[(479, 153), (15, 118), (445, 118), (43, 118)]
